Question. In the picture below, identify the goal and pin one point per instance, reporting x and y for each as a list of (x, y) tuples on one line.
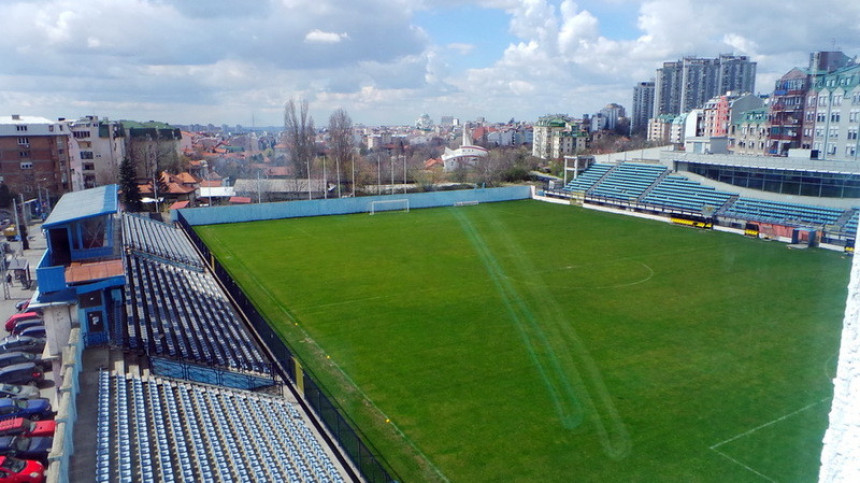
[(389, 205)]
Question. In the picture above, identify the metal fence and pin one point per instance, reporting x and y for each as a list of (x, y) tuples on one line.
[(368, 461)]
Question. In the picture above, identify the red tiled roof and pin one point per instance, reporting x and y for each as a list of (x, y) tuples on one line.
[(88, 271), (210, 183), (240, 199), (179, 205), (433, 162)]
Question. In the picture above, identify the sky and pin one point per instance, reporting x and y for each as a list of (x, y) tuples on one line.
[(385, 62)]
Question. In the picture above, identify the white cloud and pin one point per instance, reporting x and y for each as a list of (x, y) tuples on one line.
[(317, 36), (186, 60)]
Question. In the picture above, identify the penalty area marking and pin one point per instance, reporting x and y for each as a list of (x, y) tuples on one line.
[(753, 430)]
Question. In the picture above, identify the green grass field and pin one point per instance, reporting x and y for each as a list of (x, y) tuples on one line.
[(526, 341)]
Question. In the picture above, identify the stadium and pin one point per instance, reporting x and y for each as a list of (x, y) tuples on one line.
[(517, 333)]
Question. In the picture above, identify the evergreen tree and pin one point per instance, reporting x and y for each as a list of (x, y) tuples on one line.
[(6, 196), (128, 185)]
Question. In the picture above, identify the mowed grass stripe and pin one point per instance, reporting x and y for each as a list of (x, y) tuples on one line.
[(696, 336)]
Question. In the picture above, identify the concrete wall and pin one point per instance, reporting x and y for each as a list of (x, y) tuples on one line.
[(342, 206)]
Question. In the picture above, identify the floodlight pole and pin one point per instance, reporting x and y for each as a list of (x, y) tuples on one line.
[(404, 173), (325, 180), (378, 175), (353, 174)]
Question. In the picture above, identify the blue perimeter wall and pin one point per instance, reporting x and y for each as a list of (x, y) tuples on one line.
[(343, 206)]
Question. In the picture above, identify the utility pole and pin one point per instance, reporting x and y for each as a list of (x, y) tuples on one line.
[(353, 174), (325, 181)]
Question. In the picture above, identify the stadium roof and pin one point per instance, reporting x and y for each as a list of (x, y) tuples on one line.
[(84, 204)]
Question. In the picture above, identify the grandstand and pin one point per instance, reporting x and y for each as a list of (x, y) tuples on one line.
[(679, 193), (147, 237), (181, 313), (153, 429), (654, 189)]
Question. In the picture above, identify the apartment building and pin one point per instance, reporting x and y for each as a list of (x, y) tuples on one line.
[(688, 83), (96, 149), (34, 155), (556, 136), (749, 134), (643, 106), (835, 98)]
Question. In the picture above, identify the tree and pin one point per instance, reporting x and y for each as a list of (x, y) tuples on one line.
[(299, 137), (341, 145), (6, 196), (128, 185)]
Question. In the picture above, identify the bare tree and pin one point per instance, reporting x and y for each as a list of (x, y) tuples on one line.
[(341, 143), (299, 136)]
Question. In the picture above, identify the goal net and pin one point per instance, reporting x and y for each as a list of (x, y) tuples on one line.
[(379, 206)]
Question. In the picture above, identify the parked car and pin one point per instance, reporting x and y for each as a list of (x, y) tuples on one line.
[(24, 373), (22, 343), (37, 331), (32, 409), (25, 427), (21, 471), (26, 448), (15, 318), (9, 358), (18, 391), (26, 324)]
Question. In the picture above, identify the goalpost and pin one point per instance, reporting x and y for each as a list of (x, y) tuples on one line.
[(378, 206)]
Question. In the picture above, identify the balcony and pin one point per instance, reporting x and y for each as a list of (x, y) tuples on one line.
[(51, 278)]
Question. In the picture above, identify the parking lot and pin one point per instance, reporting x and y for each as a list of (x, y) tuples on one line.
[(13, 291)]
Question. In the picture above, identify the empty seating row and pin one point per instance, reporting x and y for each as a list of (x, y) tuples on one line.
[(850, 227), (587, 178), (180, 313), (176, 431), (783, 213), (678, 192), (159, 239), (628, 181)]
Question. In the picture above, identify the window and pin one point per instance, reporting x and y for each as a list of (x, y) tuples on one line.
[(822, 117), (837, 100), (833, 133), (853, 116), (819, 132), (86, 155), (851, 151), (26, 165), (20, 128), (852, 133), (23, 154), (810, 116), (834, 117), (24, 141), (81, 134), (822, 100), (831, 149), (811, 101), (89, 167)]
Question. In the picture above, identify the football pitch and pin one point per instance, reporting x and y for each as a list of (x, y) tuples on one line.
[(526, 341)]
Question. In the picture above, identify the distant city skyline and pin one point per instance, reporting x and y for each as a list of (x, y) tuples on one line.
[(385, 63)]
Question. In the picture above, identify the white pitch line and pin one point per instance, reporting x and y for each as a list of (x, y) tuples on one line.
[(741, 464), (782, 418)]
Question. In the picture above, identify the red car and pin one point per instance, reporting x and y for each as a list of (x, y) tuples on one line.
[(23, 471), (15, 318), (25, 427)]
